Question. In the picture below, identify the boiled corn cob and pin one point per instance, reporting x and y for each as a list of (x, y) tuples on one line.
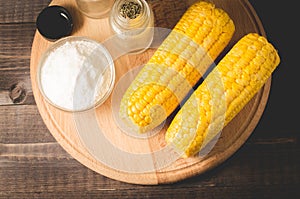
[(222, 95), (176, 66)]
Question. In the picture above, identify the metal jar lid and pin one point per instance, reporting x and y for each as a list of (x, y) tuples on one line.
[(54, 22)]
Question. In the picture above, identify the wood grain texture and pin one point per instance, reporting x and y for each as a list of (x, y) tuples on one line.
[(267, 165), (21, 12), (60, 176), (22, 124), (15, 45), (71, 132)]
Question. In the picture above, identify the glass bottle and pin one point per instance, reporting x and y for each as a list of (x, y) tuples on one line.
[(134, 27), (95, 8)]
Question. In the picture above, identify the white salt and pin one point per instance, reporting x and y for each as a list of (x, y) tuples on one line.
[(72, 76)]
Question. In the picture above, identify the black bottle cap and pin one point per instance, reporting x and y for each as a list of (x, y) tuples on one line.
[(54, 22)]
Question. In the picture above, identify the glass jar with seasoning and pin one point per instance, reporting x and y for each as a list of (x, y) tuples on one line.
[(132, 21), (95, 8)]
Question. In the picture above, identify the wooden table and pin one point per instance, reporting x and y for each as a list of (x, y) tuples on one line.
[(34, 165)]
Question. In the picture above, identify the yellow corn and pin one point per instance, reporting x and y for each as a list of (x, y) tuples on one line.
[(222, 95), (177, 65)]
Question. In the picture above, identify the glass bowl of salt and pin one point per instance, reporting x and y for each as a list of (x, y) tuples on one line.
[(76, 74)]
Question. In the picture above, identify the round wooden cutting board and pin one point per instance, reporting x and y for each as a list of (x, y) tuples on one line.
[(87, 146)]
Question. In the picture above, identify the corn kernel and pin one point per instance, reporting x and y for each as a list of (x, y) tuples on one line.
[(217, 108), (184, 55)]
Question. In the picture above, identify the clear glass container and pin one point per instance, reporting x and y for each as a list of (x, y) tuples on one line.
[(76, 74), (133, 34), (95, 8)]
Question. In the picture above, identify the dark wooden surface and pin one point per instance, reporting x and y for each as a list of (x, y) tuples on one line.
[(33, 165)]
